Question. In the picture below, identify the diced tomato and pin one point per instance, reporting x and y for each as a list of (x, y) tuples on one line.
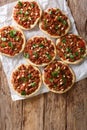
[(81, 44)]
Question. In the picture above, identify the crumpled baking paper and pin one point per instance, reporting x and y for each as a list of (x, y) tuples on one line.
[(10, 63)]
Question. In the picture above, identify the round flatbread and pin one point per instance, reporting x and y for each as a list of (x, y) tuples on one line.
[(40, 51), (54, 23), (26, 14), (71, 49), (12, 41), (58, 77), (26, 80)]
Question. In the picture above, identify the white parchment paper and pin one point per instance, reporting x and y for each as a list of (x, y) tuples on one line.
[(10, 63)]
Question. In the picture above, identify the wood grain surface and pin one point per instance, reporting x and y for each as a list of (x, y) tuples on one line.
[(48, 111)]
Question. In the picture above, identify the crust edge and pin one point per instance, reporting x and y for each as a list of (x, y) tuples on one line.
[(75, 62), (30, 95), (61, 92), (32, 26), (23, 36)]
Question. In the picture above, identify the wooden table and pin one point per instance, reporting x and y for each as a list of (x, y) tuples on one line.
[(48, 111)]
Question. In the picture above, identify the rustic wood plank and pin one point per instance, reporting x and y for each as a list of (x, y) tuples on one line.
[(10, 112), (77, 97), (55, 112), (33, 113)]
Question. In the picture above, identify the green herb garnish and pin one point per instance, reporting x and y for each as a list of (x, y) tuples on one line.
[(41, 45), (34, 45), (33, 84), (10, 44), (59, 18), (23, 92), (76, 53), (56, 27), (71, 56), (50, 12), (32, 5), (12, 33), (48, 56), (23, 79), (3, 39), (35, 54), (20, 12), (57, 11), (29, 76), (64, 22), (51, 80), (55, 73), (26, 55), (64, 40), (20, 3), (68, 49), (2, 45), (82, 50)]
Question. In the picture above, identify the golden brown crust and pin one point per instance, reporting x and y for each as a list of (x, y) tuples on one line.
[(75, 62), (22, 37), (54, 36), (32, 94), (44, 64), (60, 92), (33, 25)]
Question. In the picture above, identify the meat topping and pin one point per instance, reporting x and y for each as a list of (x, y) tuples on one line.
[(58, 76), (54, 22), (71, 48), (26, 79), (26, 13), (11, 41), (39, 50)]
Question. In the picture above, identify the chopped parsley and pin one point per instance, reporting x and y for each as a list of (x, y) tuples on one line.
[(56, 27), (50, 12), (64, 40), (10, 44), (82, 50), (55, 73), (41, 45), (34, 45), (12, 33), (2, 45), (57, 11), (32, 5), (26, 55), (61, 20), (23, 79), (64, 22), (76, 53), (51, 80), (48, 56), (33, 84), (29, 76), (71, 56), (35, 54), (23, 92), (68, 49), (20, 3)]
